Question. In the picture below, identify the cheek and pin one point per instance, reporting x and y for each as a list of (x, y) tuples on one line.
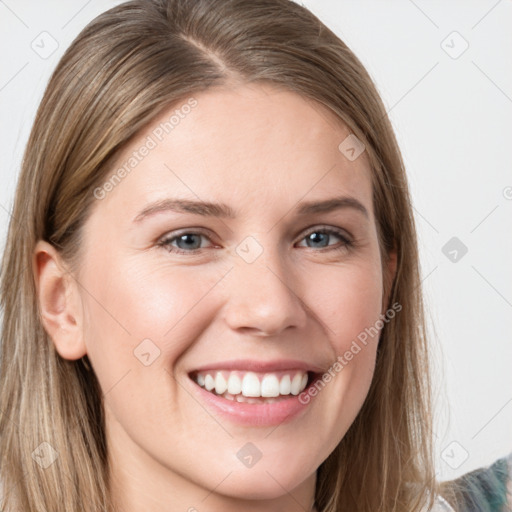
[(138, 324), (349, 301), (132, 311)]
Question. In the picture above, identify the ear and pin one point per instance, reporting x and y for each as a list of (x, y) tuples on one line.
[(59, 301)]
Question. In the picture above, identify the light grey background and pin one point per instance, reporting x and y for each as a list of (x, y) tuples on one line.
[(451, 108)]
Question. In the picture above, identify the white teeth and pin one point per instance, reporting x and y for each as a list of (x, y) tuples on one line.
[(251, 385), (296, 382), (285, 385), (209, 383), (220, 384), (303, 382), (270, 386), (234, 384)]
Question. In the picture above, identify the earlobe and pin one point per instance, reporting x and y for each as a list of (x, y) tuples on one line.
[(59, 301)]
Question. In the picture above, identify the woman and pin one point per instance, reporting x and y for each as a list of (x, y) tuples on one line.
[(256, 370)]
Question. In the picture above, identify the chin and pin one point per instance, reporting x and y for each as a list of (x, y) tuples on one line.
[(262, 484)]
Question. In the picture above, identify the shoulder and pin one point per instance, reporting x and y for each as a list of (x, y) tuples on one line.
[(509, 484), (485, 488), (441, 505)]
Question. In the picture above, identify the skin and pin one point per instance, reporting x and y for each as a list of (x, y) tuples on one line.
[(262, 151)]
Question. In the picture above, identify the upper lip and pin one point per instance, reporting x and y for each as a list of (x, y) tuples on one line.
[(260, 366)]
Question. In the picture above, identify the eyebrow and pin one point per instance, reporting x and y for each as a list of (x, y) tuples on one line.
[(221, 210)]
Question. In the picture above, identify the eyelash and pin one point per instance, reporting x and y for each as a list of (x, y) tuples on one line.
[(346, 243)]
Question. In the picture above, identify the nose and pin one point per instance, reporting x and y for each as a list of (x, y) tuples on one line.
[(262, 297)]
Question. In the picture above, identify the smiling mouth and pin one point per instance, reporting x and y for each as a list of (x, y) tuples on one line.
[(253, 387)]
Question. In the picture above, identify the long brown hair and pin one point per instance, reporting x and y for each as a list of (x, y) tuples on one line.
[(123, 69)]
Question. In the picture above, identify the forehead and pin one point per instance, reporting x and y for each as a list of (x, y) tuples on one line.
[(248, 146)]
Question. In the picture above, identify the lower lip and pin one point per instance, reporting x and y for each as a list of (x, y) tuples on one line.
[(253, 414)]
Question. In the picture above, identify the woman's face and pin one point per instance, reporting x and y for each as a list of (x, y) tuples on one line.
[(180, 297)]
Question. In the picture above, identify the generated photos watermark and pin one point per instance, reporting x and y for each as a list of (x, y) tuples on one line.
[(151, 142), (348, 355)]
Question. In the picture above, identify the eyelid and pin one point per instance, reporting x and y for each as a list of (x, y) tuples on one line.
[(186, 231)]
